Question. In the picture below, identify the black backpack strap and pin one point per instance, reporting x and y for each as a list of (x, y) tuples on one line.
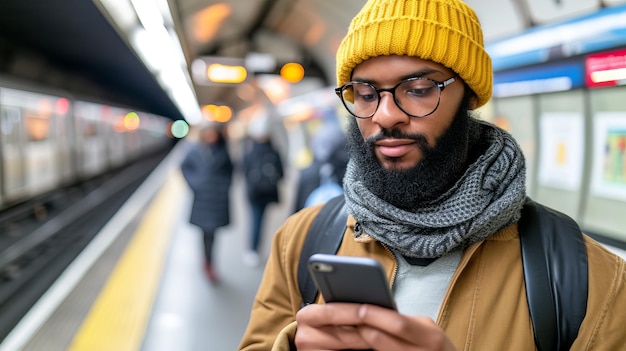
[(554, 258), (324, 236)]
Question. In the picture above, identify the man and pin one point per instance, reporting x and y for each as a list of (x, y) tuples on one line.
[(433, 194)]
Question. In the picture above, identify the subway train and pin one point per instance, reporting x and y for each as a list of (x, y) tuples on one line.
[(50, 139), (563, 99)]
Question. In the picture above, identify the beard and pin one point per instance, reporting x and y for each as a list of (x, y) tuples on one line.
[(440, 168)]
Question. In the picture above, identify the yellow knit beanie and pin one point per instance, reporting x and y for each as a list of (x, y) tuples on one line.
[(444, 31)]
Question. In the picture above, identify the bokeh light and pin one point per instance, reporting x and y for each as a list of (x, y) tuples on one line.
[(292, 72), (217, 113), (62, 106), (179, 129), (131, 121)]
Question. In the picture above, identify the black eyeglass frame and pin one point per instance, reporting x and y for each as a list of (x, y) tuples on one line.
[(438, 84)]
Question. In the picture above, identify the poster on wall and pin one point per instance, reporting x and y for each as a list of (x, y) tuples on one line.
[(608, 177), (561, 150)]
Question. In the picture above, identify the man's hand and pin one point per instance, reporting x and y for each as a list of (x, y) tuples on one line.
[(350, 326)]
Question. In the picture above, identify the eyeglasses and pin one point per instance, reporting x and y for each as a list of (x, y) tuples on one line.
[(417, 96)]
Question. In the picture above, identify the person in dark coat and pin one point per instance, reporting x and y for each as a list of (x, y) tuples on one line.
[(208, 169), (263, 170)]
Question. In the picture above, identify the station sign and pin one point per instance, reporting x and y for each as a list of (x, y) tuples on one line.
[(602, 30), (606, 69), (540, 79)]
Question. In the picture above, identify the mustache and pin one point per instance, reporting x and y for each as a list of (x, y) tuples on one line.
[(420, 139)]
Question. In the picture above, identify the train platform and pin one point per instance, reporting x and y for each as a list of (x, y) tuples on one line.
[(140, 284)]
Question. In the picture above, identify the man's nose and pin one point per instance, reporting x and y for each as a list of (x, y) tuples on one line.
[(389, 114)]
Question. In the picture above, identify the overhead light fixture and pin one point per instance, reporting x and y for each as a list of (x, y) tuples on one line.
[(149, 14), (148, 27), (216, 70), (219, 73)]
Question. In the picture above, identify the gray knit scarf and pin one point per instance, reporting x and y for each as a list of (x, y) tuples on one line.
[(488, 197)]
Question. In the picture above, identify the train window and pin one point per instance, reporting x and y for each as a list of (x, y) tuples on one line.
[(10, 126), (37, 125), (62, 108), (87, 118), (36, 112), (88, 128), (13, 150)]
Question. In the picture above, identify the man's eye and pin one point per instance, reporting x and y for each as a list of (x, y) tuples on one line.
[(418, 91), (365, 95)]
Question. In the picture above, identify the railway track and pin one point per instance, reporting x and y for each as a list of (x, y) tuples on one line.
[(34, 250)]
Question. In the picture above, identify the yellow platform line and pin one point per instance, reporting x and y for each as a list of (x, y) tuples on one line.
[(119, 317)]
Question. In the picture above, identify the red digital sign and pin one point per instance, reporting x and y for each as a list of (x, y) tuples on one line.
[(606, 69)]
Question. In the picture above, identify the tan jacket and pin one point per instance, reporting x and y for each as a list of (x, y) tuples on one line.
[(483, 309)]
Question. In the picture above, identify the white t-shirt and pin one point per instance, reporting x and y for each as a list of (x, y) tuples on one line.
[(419, 290)]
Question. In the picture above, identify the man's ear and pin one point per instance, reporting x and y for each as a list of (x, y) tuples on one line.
[(470, 97), (473, 102)]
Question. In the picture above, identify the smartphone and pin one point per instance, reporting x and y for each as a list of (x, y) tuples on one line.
[(351, 279)]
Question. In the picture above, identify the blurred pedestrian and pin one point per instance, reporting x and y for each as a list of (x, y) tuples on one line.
[(263, 170), (330, 159), (208, 170)]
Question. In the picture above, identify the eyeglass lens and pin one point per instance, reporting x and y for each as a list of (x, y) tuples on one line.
[(416, 97)]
